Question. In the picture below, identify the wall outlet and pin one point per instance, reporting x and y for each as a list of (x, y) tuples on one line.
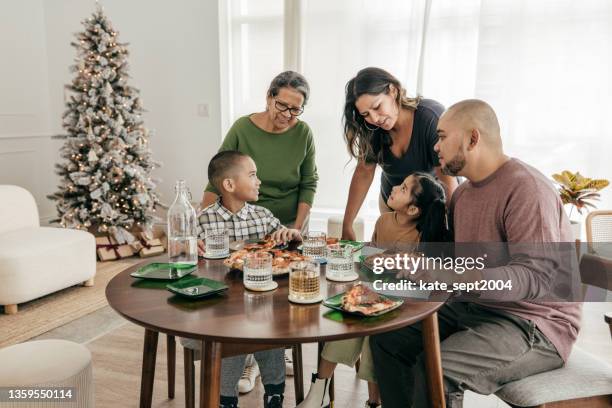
[(203, 110)]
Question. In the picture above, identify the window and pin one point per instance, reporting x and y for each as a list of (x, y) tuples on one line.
[(544, 66), (255, 53)]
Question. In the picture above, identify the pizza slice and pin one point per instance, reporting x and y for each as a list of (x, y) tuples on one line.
[(280, 259), (263, 244), (236, 259), (363, 300)]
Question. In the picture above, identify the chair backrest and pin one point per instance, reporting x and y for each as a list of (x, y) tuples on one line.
[(599, 228), (17, 209)]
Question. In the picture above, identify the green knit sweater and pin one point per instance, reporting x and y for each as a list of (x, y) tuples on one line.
[(285, 165)]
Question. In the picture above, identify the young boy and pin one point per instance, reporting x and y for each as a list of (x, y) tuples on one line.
[(234, 175)]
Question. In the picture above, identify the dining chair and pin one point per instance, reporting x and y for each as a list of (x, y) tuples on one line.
[(584, 381), (598, 228)]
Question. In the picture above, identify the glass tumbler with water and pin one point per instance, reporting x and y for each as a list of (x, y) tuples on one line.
[(216, 240), (314, 245), (258, 271), (182, 234), (340, 265)]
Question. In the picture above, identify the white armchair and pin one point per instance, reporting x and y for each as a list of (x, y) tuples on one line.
[(35, 260)]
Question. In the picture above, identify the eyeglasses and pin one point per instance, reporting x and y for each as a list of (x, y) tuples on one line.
[(284, 108)]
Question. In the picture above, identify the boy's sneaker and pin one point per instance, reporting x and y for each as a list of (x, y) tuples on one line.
[(273, 401), (369, 404), (247, 380), (288, 363)]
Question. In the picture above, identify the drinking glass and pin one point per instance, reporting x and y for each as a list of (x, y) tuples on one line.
[(314, 245), (340, 265), (217, 242), (257, 274), (304, 283)]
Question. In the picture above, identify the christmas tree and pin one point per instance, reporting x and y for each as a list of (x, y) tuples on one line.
[(106, 181)]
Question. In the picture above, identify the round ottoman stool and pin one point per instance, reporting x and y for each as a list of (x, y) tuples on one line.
[(45, 364)]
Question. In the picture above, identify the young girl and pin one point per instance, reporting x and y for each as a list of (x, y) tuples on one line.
[(418, 216)]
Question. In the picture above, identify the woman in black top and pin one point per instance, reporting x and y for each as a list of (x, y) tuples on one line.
[(383, 126)]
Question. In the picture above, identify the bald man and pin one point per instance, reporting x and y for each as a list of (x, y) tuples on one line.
[(487, 344)]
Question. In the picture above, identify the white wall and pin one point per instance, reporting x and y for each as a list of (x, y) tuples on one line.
[(174, 53), (26, 148)]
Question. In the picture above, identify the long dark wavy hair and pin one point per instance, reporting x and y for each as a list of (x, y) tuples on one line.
[(429, 196), (361, 142)]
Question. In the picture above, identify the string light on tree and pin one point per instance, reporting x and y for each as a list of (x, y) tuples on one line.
[(104, 127)]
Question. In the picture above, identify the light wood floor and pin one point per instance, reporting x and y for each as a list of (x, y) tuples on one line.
[(117, 360)]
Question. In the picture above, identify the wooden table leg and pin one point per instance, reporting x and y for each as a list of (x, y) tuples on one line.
[(433, 361), (210, 374), (149, 355), (298, 372), (171, 359), (188, 358)]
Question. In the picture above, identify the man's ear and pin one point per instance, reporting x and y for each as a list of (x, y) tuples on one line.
[(228, 185), (474, 139)]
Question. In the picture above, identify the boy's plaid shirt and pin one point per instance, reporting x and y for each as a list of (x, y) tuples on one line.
[(251, 222)]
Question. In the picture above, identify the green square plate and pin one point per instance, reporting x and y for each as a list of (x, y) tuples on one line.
[(335, 302), (164, 271), (356, 245), (197, 288)]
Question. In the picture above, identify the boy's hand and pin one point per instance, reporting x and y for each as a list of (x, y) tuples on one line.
[(201, 247), (286, 234)]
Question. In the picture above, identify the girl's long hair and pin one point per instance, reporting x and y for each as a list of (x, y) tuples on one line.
[(429, 196), (363, 143)]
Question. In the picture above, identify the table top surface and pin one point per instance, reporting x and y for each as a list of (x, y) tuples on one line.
[(243, 316)]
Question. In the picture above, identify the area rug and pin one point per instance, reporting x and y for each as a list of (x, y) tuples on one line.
[(46, 313)]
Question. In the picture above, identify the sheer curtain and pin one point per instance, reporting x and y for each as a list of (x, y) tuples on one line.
[(342, 37), (545, 68), (543, 65), (253, 53)]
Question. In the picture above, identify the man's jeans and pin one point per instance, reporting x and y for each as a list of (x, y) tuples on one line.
[(482, 349)]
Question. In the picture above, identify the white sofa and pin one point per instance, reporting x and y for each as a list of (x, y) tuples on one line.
[(34, 260)]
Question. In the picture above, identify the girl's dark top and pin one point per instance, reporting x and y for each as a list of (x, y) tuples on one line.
[(420, 155)]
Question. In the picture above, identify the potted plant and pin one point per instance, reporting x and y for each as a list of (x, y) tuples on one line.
[(578, 191)]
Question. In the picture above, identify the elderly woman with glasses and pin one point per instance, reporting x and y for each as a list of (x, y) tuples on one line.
[(283, 150)]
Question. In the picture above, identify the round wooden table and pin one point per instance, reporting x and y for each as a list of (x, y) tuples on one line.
[(241, 321)]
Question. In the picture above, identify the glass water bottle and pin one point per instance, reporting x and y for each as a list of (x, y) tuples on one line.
[(182, 235)]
